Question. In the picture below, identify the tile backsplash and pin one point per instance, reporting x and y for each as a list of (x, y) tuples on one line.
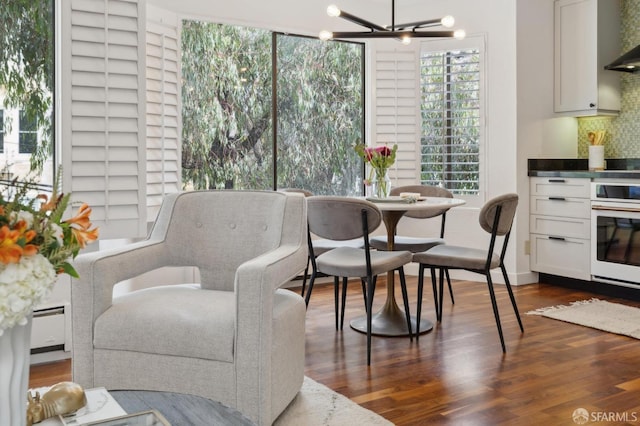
[(623, 130)]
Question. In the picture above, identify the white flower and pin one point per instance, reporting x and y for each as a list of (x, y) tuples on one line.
[(57, 232), (23, 215), (23, 286)]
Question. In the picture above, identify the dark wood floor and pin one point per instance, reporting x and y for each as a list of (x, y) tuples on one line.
[(457, 373)]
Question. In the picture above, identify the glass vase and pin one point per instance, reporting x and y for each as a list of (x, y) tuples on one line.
[(381, 184), (15, 350)]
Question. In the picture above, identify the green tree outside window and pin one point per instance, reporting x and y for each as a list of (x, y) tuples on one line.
[(229, 140)]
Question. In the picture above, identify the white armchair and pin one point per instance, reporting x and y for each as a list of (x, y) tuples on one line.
[(235, 337)]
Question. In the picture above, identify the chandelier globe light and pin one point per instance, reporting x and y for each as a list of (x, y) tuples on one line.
[(403, 32)]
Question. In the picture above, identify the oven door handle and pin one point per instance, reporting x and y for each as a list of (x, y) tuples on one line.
[(615, 209)]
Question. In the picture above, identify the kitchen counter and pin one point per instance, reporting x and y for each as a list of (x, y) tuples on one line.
[(617, 168)]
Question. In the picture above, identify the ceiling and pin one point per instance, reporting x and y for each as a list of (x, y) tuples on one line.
[(305, 17)]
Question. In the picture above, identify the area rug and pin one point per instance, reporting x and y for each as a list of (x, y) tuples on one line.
[(317, 405), (599, 314)]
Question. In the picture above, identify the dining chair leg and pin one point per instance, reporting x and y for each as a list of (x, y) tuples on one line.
[(312, 280), (496, 314), (441, 273), (419, 304), (370, 290), (336, 297), (453, 302), (405, 299), (364, 292), (435, 294), (344, 300), (304, 277), (513, 299)]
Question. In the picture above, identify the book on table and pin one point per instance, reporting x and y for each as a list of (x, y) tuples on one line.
[(100, 406)]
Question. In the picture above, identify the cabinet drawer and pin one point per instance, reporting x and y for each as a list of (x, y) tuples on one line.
[(568, 257), (48, 330), (561, 206), (560, 187), (571, 227)]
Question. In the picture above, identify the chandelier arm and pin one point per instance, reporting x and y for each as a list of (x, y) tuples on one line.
[(392, 34), (419, 24)]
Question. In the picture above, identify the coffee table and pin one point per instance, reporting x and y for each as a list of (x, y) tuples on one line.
[(180, 409)]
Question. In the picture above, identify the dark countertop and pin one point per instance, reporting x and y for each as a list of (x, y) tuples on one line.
[(617, 168)]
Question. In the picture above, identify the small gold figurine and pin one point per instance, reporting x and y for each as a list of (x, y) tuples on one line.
[(62, 398)]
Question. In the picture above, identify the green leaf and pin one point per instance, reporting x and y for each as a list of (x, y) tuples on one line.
[(68, 269)]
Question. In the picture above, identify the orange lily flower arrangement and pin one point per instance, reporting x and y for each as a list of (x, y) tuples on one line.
[(36, 244)]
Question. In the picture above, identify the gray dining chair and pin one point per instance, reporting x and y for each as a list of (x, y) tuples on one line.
[(419, 244), (342, 219), (496, 218), (320, 245)]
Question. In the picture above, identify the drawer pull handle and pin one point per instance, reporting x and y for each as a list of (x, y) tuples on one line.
[(556, 238), (557, 199), (557, 181)]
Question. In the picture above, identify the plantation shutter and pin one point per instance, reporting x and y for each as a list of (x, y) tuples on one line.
[(452, 121), (396, 108), (163, 107), (103, 113)]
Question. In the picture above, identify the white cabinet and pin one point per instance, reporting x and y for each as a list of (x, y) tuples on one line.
[(559, 224), (586, 38)]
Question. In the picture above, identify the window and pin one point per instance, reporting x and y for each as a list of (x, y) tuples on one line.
[(28, 134), (238, 133), (452, 119), (320, 115), (27, 88)]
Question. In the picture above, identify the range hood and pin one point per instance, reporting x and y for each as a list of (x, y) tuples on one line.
[(629, 62)]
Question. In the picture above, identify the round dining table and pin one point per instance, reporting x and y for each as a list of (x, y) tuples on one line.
[(391, 320)]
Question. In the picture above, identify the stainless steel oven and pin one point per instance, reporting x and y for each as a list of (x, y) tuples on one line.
[(615, 233)]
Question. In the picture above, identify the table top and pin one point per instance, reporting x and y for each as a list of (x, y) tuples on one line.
[(180, 409), (424, 203)]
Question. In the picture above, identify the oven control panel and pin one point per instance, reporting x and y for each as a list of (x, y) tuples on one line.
[(616, 192)]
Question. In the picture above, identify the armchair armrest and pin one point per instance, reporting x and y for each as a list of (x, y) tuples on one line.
[(256, 283), (92, 293), (100, 271)]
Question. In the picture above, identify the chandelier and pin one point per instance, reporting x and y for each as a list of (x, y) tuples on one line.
[(403, 32)]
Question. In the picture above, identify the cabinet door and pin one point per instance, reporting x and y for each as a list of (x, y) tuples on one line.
[(566, 257), (560, 187), (576, 40), (571, 227), (560, 207)]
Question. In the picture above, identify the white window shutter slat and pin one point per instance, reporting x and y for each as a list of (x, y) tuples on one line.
[(163, 119), (103, 130), (396, 108)]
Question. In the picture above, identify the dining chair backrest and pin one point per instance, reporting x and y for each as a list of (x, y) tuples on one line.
[(424, 191), (340, 218), (507, 204)]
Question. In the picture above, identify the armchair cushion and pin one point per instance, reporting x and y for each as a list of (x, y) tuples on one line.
[(131, 323)]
